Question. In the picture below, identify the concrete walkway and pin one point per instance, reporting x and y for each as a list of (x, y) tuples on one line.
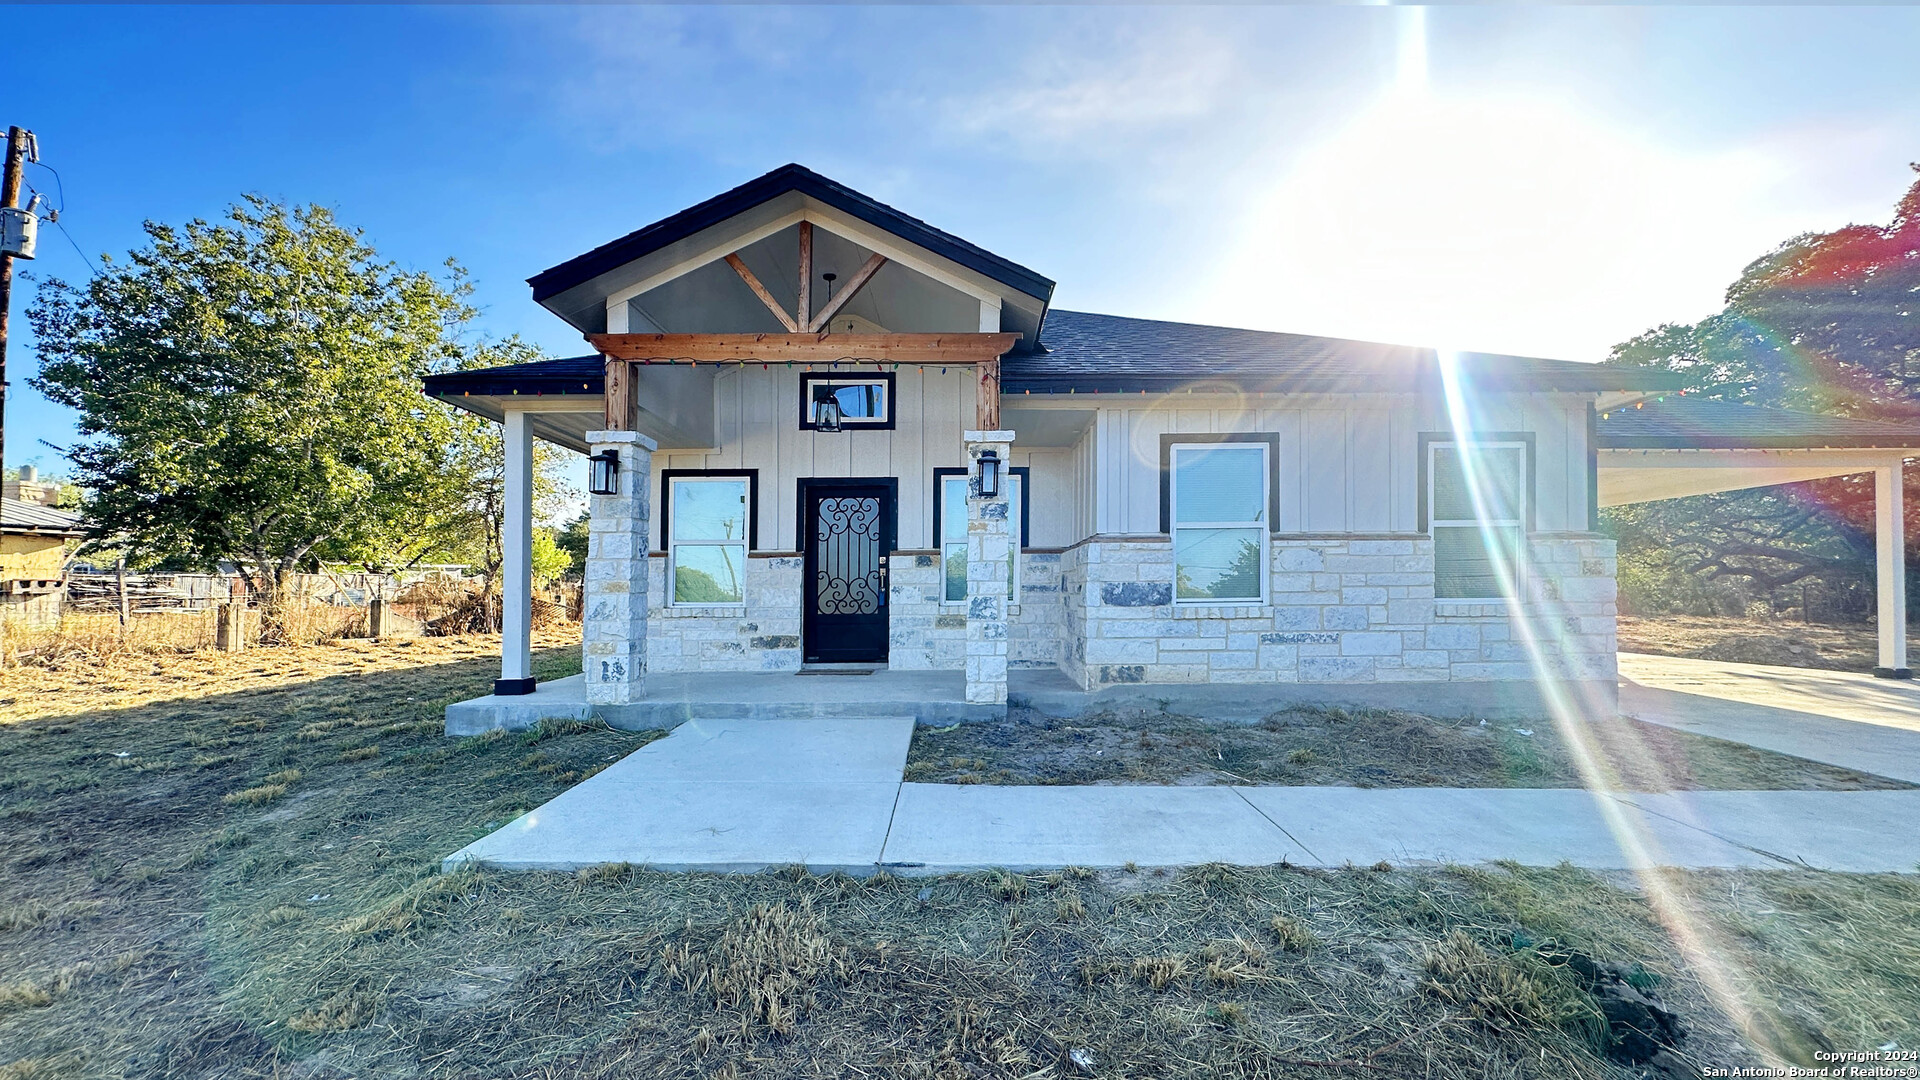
[(741, 795), (1839, 717)]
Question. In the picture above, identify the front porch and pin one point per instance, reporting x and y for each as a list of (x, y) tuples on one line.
[(938, 697)]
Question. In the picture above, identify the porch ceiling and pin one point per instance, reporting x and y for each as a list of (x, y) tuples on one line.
[(1634, 476)]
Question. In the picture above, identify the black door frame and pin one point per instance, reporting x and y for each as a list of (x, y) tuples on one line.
[(804, 534)]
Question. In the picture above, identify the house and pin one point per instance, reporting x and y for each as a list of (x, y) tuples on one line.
[(33, 558), (829, 436)]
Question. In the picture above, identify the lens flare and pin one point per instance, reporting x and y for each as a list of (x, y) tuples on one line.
[(1575, 704)]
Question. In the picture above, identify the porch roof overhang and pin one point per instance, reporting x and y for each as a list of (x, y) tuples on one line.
[(1679, 446), (564, 398)]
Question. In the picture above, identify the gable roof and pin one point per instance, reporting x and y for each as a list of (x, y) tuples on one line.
[(25, 518), (1086, 353), (1697, 423), (642, 242)]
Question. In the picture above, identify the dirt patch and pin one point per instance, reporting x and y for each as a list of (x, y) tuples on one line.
[(1357, 747), (1782, 643), (149, 929)]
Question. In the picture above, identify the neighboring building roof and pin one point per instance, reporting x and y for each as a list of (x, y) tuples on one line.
[(1112, 353), (580, 269), (32, 519), (1697, 423)]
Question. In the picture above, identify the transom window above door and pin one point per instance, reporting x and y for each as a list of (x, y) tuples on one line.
[(865, 401)]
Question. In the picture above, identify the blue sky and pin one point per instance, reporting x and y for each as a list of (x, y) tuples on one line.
[(1524, 179)]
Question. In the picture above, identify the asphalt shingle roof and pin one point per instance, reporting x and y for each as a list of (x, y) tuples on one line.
[(1088, 353), (1113, 353), (1698, 423)]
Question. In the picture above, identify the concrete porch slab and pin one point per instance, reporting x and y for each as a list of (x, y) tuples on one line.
[(561, 699), (940, 828), (939, 698), (931, 697), (1535, 826)]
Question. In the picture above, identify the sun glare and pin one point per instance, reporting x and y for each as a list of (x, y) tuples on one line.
[(1504, 221)]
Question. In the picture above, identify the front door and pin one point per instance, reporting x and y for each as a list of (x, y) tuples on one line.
[(849, 531)]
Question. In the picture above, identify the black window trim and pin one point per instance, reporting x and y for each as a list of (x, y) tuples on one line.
[(1167, 443), (1024, 472), (808, 378), (1428, 438), (667, 476)]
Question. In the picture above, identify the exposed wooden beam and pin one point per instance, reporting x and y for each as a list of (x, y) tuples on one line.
[(860, 278), (759, 290), (804, 315), (811, 348), (619, 395), (986, 401)]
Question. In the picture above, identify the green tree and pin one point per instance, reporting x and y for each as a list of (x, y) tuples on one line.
[(573, 540), (248, 390), (1828, 322), (466, 523)]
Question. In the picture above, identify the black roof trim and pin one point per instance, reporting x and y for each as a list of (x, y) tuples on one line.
[(1697, 423), (573, 375), (583, 268)]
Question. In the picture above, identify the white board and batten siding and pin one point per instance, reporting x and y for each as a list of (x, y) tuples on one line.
[(757, 426), (1348, 464)]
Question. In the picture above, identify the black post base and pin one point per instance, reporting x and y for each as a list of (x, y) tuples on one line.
[(511, 687), (1893, 673)]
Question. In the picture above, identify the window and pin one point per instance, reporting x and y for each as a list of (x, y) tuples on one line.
[(707, 526), (1477, 494), (866, 401), (1220, 525), (950, 525)]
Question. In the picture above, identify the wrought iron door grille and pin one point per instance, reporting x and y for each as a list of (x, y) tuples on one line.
[(847, 577)]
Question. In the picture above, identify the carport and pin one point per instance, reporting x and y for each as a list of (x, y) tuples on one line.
[(1672, 447)]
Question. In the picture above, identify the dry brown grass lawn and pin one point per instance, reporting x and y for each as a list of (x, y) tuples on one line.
[(1782, 642), (1363, 747), (148, 928)]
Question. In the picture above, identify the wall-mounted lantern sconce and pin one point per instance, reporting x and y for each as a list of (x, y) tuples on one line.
[(826, 409), (989, 474), (603, 473)]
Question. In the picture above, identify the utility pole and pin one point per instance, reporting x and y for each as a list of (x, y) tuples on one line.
[(16, 162), (9, 197)]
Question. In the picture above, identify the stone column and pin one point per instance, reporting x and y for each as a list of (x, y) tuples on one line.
[(990, 557), (613, 629)]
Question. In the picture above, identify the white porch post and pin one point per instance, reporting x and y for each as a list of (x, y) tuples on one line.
[(613, 634), (516, 566), (1890, 565), (990, 553)]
